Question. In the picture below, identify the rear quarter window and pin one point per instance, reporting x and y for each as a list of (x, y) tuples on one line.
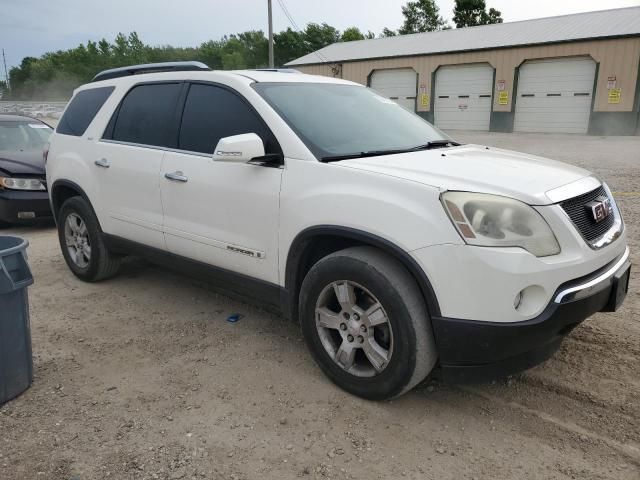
[(82, 110)]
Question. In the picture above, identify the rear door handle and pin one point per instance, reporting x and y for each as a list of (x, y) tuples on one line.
[(176, 177), (103, 162)]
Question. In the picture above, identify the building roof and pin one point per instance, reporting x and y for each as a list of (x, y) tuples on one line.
[(566, 28)]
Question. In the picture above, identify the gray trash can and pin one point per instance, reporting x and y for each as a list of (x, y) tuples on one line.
[(16, 363)]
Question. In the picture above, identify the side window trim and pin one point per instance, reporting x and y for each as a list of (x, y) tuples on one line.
[(107, 134), (239, 96), (155, 147), (180, 106)]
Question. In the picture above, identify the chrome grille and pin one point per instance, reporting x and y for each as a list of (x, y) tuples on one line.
[(583, 220)]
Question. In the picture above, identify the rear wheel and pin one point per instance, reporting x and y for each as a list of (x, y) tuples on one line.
[(366, 323), (81, 242)]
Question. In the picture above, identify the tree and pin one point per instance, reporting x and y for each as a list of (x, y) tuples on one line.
[(421, 16), (319, 36), (494, 16), (55, 75), (387, 32), (354, 33), (468, 13), (351, 34), (255, 47), (289, 45), (210, 53)]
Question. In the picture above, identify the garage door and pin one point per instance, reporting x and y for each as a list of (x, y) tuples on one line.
[(398, 84), (463, 97), (555, 95)]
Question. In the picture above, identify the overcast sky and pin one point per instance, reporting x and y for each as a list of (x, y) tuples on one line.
[(33, 27)]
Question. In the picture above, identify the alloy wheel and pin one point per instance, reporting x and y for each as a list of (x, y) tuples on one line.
[(77, 240), (354, 328)]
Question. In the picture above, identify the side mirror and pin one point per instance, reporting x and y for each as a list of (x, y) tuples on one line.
[(239, 148)]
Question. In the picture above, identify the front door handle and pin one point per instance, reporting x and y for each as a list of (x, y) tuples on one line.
[(103, 162), (176, 176)]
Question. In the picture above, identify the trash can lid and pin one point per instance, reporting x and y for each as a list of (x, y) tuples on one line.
[(10, 245)]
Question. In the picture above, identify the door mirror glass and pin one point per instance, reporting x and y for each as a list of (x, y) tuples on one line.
[(239, 148)]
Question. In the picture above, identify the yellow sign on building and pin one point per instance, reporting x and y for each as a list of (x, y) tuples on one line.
[(503, 97), (424, 99), (614, 95)]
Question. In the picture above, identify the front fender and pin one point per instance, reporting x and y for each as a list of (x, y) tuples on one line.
[(406, 213)]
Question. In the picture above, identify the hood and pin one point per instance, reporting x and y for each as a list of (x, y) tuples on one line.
[(22, 162), (476, 168)]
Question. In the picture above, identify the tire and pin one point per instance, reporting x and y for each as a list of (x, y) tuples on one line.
[(403, 349), (4, 225), (99, 264)]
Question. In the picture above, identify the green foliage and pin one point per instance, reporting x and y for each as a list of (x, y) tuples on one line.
[(55, 75), (354, 33), (318, 36), (351, 34), (421, 16), (288, 45), (387, 32), (494, 16), (468, 13)]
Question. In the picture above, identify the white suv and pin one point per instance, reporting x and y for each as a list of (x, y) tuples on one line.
[(396, 248)]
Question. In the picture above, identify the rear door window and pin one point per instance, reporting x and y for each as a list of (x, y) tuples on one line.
[(82, 110), (147, 115), (212, 112)]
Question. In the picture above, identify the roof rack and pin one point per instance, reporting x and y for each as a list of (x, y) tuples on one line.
[(281, 70), (149, 68)]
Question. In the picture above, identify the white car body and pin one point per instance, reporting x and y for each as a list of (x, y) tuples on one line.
[(245, 219)]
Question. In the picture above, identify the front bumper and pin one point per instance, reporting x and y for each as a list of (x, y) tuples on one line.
[(18, 206), (479, 351)]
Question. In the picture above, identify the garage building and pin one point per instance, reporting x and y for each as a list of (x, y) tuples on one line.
[(572, 74)]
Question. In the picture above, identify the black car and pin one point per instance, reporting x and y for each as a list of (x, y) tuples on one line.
[(23, 186)]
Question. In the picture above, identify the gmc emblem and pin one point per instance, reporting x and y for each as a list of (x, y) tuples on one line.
[(600, 208)]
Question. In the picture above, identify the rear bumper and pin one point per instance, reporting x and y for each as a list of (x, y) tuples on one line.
[(479, 351), (24, 206)]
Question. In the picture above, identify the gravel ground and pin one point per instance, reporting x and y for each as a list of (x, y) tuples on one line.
[(141, 377)]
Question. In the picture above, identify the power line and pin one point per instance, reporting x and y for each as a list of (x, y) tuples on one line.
[(288, 15), (295, 26)]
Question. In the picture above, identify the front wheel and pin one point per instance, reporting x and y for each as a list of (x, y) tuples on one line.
[(81, 242), (365, 321)]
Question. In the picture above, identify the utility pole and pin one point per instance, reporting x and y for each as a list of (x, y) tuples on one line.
[(271, 64), (6, 74)]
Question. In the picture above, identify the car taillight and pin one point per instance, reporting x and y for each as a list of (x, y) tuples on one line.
[(45, 153)]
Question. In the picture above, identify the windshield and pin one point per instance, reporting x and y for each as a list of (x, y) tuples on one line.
[(19, 136), (336, 120)]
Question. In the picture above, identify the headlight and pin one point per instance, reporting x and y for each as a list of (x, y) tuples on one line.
[(21, 183), (494, 221)]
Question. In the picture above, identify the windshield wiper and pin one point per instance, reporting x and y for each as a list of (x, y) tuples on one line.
[(370, 153), (377, 153), (435, 144)]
